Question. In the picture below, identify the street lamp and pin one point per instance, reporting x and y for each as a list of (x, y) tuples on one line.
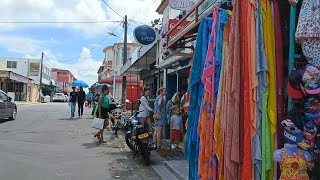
[(113, 34)]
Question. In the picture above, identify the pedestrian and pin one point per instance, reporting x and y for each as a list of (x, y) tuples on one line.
[(145, 109), (102, 113), (81, 99), (73, 101), (174, 101), (90, 99), (176, 127), (160, 111)]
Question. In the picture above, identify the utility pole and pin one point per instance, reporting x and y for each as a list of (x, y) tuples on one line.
[(125, 58), (41, 66)]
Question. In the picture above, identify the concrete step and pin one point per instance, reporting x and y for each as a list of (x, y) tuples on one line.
[(163, 172), (180, 168)]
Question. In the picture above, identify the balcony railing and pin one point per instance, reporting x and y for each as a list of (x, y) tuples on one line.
[(203, 7)]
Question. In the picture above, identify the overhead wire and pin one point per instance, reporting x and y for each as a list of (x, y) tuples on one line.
[(112, 9), (85, 53)]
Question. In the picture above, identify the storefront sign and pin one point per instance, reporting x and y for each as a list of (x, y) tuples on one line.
[(4, 74), (144, 35), (18, 78), (183, 5), (172, 23)]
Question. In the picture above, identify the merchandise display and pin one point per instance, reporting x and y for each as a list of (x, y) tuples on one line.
[(238, 121)]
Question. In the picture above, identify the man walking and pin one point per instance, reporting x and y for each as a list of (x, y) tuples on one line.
[(73, 100), (90, 99), (81, 99)]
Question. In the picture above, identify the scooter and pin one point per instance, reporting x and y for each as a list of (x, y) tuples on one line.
[(138, 138)]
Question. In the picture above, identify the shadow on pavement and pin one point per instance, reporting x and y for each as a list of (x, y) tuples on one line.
[(68, 119), (4, 120), (91, 145)]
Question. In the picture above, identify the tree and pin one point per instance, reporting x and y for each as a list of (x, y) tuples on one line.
[(156, 23), (92, 87)]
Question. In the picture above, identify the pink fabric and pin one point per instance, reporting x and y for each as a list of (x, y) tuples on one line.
[(232, 105)]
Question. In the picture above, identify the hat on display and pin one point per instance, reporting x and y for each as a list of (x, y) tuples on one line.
[(294, 84), (292, 134), (309, 136), (312, 109), (311, 80)]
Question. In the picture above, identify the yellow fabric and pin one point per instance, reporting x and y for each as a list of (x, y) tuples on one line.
[(269, 42), (219, 122), (293, 167)]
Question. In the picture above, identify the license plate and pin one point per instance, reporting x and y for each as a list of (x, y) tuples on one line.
[(142, 136)]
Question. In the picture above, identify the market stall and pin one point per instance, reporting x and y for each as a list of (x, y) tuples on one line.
[(240, 125)]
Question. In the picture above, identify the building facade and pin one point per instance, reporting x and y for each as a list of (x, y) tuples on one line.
[(63, 79), (21, 75), (109, 71)]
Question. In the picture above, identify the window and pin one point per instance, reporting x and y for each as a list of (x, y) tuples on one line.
[(3, 97), (11, 64)]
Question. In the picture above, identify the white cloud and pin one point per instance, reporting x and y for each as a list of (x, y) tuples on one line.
[(85, 69), (75, 10)]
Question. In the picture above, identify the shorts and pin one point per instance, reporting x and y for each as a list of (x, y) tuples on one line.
[(175, 135), (104, 113)]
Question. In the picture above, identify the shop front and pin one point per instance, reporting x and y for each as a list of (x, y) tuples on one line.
[(15, 85), (240, 122)]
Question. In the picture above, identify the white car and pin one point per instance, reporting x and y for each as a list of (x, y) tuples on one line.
[(58, 97)]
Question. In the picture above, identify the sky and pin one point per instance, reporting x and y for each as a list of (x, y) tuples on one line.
[(68, 45)]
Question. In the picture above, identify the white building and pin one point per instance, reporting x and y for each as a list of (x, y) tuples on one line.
[(23, 69)]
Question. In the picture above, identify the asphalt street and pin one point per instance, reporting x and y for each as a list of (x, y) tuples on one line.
[(44, 144)]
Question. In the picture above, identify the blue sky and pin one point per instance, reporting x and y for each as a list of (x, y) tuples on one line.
[(63, 42)]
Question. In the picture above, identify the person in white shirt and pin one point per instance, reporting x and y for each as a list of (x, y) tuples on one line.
[(144, 108)]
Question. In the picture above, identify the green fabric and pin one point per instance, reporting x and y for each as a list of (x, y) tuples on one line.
[(105, 103), (266, 142)]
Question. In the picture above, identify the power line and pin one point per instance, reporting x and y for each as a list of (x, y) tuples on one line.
[(112, 9), (56, 22), (92, 47)]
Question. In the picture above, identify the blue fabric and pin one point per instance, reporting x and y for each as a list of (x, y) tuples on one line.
[(261, 69), (223, 20), (196, 89), (163, 121)]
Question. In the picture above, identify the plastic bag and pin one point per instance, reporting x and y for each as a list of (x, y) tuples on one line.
[(97, 123)]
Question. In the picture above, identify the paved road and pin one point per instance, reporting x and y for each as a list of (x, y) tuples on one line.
[(42, 144)]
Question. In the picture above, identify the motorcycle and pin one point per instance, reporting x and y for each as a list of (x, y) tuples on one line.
[(117, 120), (138, 139)]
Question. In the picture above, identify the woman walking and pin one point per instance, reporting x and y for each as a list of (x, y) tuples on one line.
[(160, 113), (103, 105), (175, 101), (144, 108)]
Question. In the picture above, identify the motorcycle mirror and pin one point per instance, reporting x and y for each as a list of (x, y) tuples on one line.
[(127, 101)]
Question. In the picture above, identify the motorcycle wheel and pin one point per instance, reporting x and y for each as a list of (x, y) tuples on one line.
[(128, 141), (146, 154)]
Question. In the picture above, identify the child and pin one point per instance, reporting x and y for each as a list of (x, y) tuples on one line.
[(176, 127)]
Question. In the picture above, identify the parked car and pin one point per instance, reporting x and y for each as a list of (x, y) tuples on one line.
[(58, 97), (8, 109)]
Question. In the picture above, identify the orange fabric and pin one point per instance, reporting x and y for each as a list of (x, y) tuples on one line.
[(246, 15), (205, 144), (219, 122)]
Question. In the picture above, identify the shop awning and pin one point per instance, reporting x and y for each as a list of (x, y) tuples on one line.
[(13, 76), (171, 62), (141, 59)]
